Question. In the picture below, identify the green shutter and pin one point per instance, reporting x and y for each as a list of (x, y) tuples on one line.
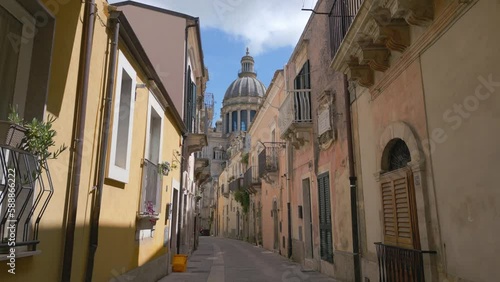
[(325, 217)]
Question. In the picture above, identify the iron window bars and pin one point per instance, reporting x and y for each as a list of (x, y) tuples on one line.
[(25, 192)]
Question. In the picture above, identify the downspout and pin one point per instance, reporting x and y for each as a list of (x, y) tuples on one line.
[(352, 184), (96, 208), (85, 58), (289, 182)]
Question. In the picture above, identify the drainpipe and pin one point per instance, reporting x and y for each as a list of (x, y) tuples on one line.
[(85, 57), (352, 184), (96, 208), (289, 182)]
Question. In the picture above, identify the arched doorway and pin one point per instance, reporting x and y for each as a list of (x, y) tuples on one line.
[(400, 220)]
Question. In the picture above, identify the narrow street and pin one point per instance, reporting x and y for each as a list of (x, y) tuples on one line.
[(220, 260)]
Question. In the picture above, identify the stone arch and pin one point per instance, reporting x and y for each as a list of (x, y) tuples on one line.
[(393, 132)]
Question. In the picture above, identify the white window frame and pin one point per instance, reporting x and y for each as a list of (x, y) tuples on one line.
[(154, 105), (25, 52), (115, 172)]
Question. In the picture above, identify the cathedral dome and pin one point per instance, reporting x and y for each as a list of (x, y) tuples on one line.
[(247, 83), (245, 86)]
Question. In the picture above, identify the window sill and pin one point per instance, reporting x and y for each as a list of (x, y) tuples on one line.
[(3, 257), (148, 216)]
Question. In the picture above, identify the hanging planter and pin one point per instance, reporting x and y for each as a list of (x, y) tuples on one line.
[(14, 134), (164, 168)]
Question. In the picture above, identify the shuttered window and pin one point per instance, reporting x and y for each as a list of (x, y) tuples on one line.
[(398, 202), (325, 217)]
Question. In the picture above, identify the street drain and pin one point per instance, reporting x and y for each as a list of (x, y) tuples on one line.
[(200, 271)]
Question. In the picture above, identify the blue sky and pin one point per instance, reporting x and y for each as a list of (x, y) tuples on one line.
[(223, 53), (270, 28)]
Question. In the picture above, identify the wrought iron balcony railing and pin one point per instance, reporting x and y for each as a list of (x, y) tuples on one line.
[(399, 264), (235, 184), (151, 188), (341, 17), (252, 179), (268, 159), (25, 192), (295, 110)]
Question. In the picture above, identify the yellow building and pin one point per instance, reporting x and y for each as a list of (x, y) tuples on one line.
[(105, 208)]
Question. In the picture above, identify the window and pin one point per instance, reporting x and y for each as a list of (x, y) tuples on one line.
[(235, 121), (16, 44), (227, 123), (325, 217), (302, 99), (122, 121), (303, 79), (243, 120), (252, 115), (151, 179), (190, 106)]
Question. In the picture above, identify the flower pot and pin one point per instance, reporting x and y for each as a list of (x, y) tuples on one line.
[(11, 134)]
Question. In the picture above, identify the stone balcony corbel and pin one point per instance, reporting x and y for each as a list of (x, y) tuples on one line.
[(297, 138), (361, 73), (375, 56), (393, 33), (415, 12), (195, 142), (200, 164)]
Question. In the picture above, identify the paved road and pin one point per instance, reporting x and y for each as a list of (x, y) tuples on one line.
[(226, 260)]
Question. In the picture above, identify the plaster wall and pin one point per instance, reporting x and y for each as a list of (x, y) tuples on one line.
[(463, 106)]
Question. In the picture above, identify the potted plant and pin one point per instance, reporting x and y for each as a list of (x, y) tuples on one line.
[(164, 168), (35, 137), (39, 139), (149, 213)]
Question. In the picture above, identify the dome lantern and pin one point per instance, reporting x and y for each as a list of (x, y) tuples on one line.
[(247, 84)]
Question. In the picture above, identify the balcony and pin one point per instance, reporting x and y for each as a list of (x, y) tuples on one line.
[(341, 18), (268, 161), (366, 34), (195, 142), (24, 182), (200, 164), (235, 184), (224, 191), (295, 122), (251, 180), (400, 264)]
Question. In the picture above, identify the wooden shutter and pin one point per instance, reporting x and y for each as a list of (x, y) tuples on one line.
[(399, 212), (325, 217)]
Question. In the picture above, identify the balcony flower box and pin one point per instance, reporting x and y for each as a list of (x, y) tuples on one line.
[(11, 134)]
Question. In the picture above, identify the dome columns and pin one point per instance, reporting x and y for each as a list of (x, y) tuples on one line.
[(238, 120)]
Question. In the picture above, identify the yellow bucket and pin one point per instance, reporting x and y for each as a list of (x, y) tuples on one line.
[(179, 263)]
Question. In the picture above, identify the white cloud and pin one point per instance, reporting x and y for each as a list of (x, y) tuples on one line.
[(261, 24)]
